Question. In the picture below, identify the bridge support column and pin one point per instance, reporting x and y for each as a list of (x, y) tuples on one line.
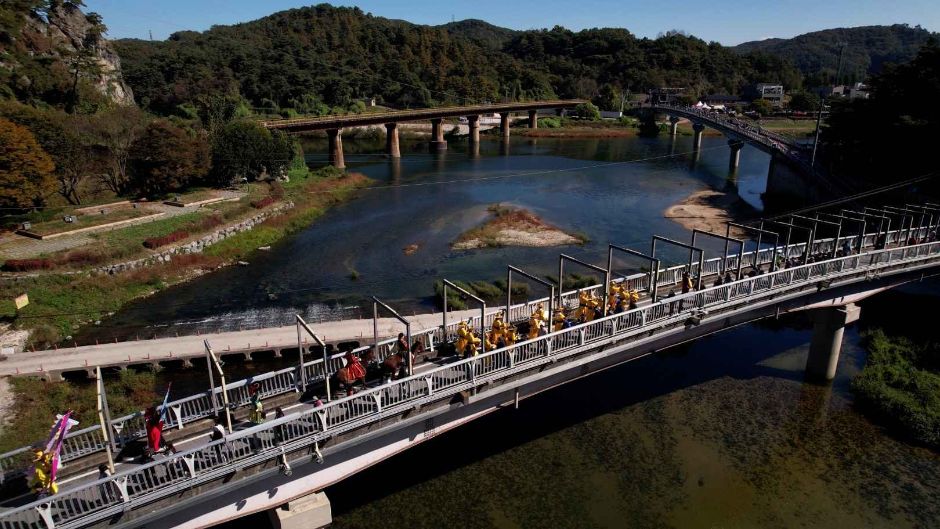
[(474, 123), (391, 140), (735, 161), (533, 119), (697, 129), (504, 124), (309, 512), (336, 148), (438, 143), (673, 125), (824, 349)]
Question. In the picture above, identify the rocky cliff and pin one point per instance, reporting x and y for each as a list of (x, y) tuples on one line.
[(62, 38)]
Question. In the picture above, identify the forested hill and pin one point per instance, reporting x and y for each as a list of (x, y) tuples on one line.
[(481, 32), (313, 58), (867, 49)]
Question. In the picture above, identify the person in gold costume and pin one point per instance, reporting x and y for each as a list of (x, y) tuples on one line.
[(42, 482), (558, 320), (467, 343)]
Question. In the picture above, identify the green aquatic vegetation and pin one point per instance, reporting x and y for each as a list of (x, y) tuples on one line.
[(900, 386)]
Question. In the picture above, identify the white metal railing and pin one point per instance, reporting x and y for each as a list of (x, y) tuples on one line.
[(90, 502), (197, 407)]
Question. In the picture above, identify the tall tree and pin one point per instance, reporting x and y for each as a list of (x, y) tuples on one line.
[(245, 149), (25, 169), (166, 158), (114, 132)]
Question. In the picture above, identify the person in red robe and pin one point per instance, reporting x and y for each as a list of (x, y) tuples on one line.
[(356, 371), (154, 431)]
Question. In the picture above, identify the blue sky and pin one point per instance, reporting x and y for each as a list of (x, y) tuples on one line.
[(727, 21)]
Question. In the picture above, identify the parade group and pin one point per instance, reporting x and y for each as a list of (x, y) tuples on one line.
[(503, 334)]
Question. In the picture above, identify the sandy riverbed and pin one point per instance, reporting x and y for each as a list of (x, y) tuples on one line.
[(709, 210), (514, 227)]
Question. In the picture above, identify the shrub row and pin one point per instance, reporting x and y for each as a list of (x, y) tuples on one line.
[(264, 202), (156, 242), (210, 222), (26, 265)]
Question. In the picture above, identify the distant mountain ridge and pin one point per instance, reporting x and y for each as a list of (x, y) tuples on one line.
[(867, 50), (322, 58)]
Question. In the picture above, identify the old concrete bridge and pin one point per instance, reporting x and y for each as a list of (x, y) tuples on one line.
[(333, 125)]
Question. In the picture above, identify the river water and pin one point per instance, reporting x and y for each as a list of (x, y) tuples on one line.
[(610, 190), (722, 432)]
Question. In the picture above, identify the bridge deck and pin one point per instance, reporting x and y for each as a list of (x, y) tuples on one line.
[(379, 118)]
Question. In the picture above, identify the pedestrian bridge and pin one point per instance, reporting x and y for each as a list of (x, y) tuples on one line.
[(783, 150), (264, 466)]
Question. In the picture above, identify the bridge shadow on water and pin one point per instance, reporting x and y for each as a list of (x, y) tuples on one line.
[(737, 353)]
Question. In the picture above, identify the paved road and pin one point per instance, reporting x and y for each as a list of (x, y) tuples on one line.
[(143, 351)]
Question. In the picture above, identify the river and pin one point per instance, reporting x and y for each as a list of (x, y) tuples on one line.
[(610, 190)]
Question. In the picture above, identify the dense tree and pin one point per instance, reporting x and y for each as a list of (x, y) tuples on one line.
[(166, 158), (864, 137), (113, 132), (762, 107), (67, 139), (587, 111), (244, 149), (25, 169), (804, 101), (862, 51)]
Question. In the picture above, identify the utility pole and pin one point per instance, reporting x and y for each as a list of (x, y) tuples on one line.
[(812, 161)]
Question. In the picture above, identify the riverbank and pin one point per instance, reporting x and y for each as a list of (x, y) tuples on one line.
[(709, 210), (514, 227), (61, 303)]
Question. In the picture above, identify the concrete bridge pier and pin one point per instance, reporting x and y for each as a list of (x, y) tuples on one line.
[(391, 140), (336, 148), (308, 512), (697, 129), (673, 125), (438, 143), (533, 119), (828, 328), (735, 161), (474, 124), (504, 124)]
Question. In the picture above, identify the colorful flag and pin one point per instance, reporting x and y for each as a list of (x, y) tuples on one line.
[(64, 423), (165, 406)]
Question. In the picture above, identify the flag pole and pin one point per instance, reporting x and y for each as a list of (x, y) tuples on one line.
[(104, 418)]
